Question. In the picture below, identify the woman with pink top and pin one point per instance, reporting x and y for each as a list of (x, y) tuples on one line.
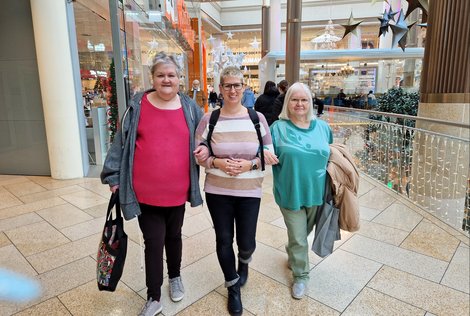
[(151, 161), (233, 181)]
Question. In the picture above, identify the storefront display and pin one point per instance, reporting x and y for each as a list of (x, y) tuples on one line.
[(141, 36)]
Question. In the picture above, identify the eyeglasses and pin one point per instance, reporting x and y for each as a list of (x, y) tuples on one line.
[(229, 86), (303, 101)]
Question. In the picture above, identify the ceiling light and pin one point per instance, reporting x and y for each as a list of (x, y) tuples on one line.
[(328, 39)]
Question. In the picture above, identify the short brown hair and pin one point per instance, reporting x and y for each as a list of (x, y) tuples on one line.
[(283, 85), (231, 71)]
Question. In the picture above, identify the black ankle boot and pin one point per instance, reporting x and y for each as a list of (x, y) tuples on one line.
[(234, 304), (242, 272)]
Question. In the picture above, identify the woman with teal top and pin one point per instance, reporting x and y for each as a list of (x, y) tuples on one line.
[(301, 143)]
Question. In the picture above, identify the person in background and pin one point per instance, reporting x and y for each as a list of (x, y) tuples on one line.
[(371, 99), (341, 95), (212, 98), (342, 99), (264, 103), (221, 99), (233, 182), (282, 86), (248, 99), (197, 94), (302, 145), (319, 103), (152, 164)]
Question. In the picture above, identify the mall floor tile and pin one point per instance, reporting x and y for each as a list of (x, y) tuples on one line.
[(403, 261)]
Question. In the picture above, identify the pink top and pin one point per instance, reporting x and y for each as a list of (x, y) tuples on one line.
[(234, 137), (161, 159)]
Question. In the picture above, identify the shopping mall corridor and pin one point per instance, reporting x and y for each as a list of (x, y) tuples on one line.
[(402, 261)]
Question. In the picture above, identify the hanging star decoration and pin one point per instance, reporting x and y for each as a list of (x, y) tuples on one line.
[(211, 39), (414, 4), (387, 16), (402, 41), (153, 44), (351, 26), (239, 59), (400, 29), (255, 43), (229, 35), (223, 56)]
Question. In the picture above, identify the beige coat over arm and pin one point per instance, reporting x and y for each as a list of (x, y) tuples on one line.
[(345, 184)]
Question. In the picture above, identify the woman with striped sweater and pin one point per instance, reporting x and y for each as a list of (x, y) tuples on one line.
[(233, 181)]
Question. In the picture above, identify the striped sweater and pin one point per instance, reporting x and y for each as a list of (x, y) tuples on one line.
[(234, 137)]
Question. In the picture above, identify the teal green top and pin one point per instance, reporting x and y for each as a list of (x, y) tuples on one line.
[(299, 178)]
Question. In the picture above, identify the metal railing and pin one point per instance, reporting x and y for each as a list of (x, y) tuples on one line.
[(425, 160)]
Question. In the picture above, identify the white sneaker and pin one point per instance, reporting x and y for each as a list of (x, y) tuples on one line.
[(298, 290), (151, 308), (176, 289)]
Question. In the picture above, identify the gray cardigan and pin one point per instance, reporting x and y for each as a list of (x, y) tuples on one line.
[(119, 161)]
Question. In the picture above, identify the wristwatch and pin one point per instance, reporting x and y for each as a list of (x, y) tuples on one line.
[(254, 164)]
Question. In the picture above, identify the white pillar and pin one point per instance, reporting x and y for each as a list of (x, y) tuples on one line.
[(386, 40), (355, 40), (62, 112), (275, 26), (217, 43), (267, 71), (384, 70), (283, 40)]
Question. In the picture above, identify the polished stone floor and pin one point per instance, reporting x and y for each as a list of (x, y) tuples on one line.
[(403, 261)]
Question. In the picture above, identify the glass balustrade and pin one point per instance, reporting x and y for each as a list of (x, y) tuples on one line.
[(424, 160)]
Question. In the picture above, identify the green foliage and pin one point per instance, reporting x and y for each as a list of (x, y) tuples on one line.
[(397, 100), (113, 114), (98, 84)]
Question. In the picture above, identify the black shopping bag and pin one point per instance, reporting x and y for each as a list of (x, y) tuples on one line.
[(112, 249)]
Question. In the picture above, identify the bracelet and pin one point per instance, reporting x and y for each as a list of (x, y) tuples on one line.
[(213, 164)]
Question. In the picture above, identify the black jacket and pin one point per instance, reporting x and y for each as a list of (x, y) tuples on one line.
[(277, 106), (213, 97), (264, 104)]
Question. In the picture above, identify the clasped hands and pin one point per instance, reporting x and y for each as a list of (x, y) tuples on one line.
[(232, 167)]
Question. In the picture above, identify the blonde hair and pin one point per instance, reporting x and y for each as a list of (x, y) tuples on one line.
[(294, 88), (163, 58), (231, 71)]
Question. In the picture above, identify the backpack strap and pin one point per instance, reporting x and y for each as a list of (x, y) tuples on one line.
[(255, 119), (212, 121)]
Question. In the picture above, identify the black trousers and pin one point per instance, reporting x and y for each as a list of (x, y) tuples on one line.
[(161, 227), (227, 211)]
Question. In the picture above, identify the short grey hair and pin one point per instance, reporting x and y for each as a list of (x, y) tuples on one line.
[(164, 58), (231, 71), (298, 86)]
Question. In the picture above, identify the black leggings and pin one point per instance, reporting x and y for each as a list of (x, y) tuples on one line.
[(226, 211), (161, 226)]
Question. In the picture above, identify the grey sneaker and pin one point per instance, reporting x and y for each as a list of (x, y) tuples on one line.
[(298, 290), (176, 289), (151, 308)]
